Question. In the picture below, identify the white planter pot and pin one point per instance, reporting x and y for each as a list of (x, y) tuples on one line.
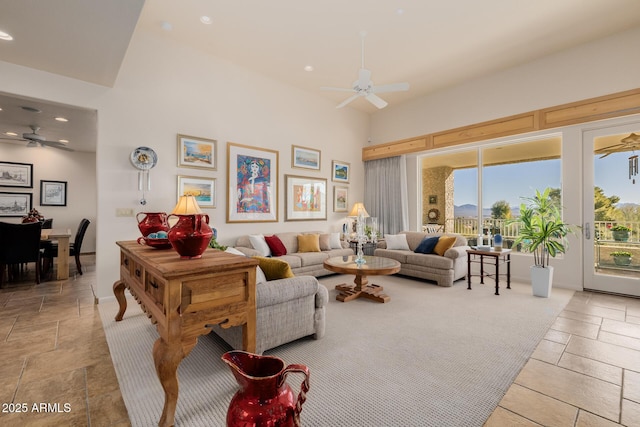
[(541, 279)]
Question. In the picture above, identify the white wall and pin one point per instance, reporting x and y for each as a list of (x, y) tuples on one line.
[(607, 66), (50, 164), (166, 89)]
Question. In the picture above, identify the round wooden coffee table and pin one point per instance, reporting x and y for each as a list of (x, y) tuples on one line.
[(374, 266)]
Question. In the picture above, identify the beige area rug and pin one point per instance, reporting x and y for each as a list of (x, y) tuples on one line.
[(432, 356)]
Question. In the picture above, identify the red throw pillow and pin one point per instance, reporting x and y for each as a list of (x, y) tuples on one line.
[(276, 245)]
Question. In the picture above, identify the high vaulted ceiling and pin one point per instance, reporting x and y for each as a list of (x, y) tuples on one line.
[(429, 44)]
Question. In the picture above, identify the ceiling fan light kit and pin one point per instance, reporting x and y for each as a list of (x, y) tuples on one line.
[(364, 87), (34, 139)]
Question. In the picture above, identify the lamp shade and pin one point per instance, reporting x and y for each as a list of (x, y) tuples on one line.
[(356, 209), (187, 205)]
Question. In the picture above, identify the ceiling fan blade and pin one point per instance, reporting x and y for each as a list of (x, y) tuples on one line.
[(393, 87), (348, 100), (56, 144), (339, 89), (376, 100), (364, 78)]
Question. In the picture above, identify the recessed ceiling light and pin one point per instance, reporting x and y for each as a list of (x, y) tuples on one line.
[(166, 26), (62, 119), (63, 140), (205, 20), (308, 67), (11, 133), (399, 11), (5, 36)]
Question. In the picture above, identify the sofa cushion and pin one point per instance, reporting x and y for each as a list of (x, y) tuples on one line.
[(259, 243), (430, 261), (398, 255), (289, 240), (444, 243), (312, 258), (397, 241), (308, 243), (274, 268), (427, 245), (276, 245)]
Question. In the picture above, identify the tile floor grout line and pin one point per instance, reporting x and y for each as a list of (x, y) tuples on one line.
[(55, 344), (13, 325), (621, 395), (86, 396), (15, 392)]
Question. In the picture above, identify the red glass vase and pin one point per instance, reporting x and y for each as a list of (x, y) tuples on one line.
[(152, 222), (264, 398), (191, 235)]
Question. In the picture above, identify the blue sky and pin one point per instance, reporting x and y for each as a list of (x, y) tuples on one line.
[(611, 174)]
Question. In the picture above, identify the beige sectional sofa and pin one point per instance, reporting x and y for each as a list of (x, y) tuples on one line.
[(444, 270), (302, 263)]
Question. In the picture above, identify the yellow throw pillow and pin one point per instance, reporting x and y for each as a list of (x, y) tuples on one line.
[(308, 243), (444, 243), (274, 268)]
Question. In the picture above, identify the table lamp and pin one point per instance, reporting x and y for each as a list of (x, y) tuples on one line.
[(191, 235), (357, 210)]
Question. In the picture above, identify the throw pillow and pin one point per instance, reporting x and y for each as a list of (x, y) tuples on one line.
[(234, 251), (325, 242), (427, 245), (444, 243), (308, 243), (397, 241), (260, 277), (276, 245), (334, 241), (259, 244), (274, 268)]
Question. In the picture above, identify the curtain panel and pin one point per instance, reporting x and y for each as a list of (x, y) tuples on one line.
[(385, 193)]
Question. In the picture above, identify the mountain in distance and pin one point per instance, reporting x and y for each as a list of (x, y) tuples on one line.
[(471, 211)]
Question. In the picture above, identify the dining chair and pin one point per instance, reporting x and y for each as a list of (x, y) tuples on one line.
[(47, 224), (20, 244), (51, 248)]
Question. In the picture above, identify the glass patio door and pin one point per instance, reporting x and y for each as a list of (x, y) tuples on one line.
[(612, 209)]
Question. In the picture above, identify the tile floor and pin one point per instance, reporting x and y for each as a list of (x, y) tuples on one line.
[(584, 373)]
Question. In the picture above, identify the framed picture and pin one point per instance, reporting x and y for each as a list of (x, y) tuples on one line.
[(433, 199), (340, 171), (340, 198), (194, 152), (252, 187), (16, 175), (306, 198), (203, 189), (305, 158), (15, 204), (53, 193)]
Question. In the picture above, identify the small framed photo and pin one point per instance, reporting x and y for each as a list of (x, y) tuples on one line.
[(305, 158), (53, 193), (252, 184), (340, 171), (306, 198), (340, 198), (16, 175), (15, 204), (433, 199), (194, 152), (203, 189)]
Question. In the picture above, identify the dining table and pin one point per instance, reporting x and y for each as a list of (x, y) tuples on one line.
[(63, 236)]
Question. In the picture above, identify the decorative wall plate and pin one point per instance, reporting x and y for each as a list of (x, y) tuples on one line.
[(144, 158), (433, 214)]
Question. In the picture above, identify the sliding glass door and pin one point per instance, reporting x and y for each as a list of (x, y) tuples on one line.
[(612, 209)]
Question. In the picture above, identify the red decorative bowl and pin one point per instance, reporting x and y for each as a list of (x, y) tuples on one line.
[(155, 243)]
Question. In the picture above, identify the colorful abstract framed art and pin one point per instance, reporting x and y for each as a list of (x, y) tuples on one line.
[(306, 198)]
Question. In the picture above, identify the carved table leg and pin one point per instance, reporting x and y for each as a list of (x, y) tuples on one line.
[(167, 358), (118, 291)]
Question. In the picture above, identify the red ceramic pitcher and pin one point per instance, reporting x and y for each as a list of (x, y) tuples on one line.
[(152, 222), (191, 235), (264, 398)]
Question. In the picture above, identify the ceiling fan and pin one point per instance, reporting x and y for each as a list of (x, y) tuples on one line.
[(629, 143), (364, 87), (34, 139)]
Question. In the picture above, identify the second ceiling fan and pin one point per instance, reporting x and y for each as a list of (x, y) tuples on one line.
[(364, 87)]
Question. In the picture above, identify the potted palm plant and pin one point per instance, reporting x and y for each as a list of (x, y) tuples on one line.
[(543, 233)]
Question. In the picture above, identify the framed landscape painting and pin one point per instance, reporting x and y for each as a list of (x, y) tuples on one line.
[(15, 204), (194, 152), (306, 198), (340, 171), (252, 187), (16, 175), (53, 193), (203, 189), (340, 198), (305, 158)]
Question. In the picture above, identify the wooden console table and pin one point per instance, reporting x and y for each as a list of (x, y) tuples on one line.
[(182, 297)]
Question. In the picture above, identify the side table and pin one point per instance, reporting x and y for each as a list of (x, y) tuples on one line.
[(500, 257)]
